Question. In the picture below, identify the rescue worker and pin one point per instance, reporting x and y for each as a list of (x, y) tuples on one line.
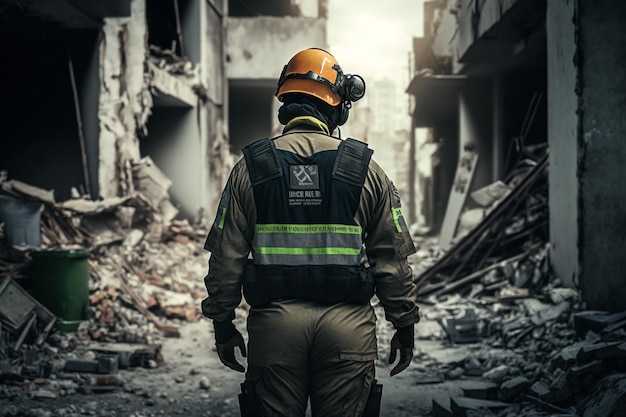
[(325, 230)]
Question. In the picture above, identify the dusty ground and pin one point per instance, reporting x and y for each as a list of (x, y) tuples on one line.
[(192, 382)]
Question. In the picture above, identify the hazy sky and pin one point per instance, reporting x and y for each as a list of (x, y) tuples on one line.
[(373, 38)]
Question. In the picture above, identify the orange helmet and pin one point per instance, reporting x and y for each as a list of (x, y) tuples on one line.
[(316, 72)]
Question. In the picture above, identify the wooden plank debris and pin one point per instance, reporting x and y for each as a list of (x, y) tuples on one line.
[(463, 253), (129, 354), (458, 194), (482, 390), (461, 405), (19, 188)]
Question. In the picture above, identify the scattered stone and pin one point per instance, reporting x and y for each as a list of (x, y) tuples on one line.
[(455, 373), (514, 389), (481, 390), (205, 383), (496, 374), (41, 394)]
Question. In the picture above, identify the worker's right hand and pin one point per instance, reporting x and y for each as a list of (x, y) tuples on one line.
[(226, 352)]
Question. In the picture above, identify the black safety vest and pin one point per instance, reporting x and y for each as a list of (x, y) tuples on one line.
[(306, 242)]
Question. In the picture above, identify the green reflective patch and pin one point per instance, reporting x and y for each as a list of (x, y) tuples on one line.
[(307, 251), (309, 228), (397, 215), (222, 218)]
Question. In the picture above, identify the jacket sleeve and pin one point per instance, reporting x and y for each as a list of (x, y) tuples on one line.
[(388, 243), (229, 243)]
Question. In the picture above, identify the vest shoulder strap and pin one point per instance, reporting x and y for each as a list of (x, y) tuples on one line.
[(262, 161), (353, 159)]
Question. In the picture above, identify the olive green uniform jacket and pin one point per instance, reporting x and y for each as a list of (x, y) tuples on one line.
[(387, 240)]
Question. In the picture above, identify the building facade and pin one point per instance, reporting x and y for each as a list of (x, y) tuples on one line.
[(522, 74), (95, 91)]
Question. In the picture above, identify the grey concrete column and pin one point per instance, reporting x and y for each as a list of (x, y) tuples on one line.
[(498, 129), (586, 105), (562, 140), (602, 154)]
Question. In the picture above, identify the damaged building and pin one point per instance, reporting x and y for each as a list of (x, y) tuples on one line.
[(518, 176), (122, 119), (504, 83), (96, 92)]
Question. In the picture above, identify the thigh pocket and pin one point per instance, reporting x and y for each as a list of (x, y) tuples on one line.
[(358, 356)]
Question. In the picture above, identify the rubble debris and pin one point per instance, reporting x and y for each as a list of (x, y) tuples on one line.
[(22, 316), (514, 229), (464, 329), (181, 69), (129, 355), (481, 390), (120, 225), (460, 406), (490, 194), (152, 183), (103, 364), (596, 321), (533, 341), (440, 410), (20, 189), (607, 399), (139, 267), (514, 389)]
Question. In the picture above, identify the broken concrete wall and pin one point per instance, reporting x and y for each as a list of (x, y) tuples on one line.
[(443, 27), (476, 127), (256, 51), (476, 18), (156, 103), (174, 130), (309, 8), (602, 153), (216, 147), (258, 48), (89, 90), (562, 138), (125, 101)]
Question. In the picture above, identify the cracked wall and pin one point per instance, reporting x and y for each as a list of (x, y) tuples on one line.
[(586, 132), (125, 101), (602, 48)]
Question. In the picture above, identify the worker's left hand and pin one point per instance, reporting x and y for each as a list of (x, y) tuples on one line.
[(406, 355), (226, 352)]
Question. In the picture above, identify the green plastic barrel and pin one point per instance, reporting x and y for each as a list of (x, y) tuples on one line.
[(61, 284)]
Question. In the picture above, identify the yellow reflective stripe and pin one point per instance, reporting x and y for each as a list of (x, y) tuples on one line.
[(307, 251), (397, 213), (308, 120), (309, 228), (222, 219)]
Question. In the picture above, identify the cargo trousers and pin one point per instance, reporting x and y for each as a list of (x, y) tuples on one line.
[(301, 351)]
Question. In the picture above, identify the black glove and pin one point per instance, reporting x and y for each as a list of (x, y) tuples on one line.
[(406, 336), (402, 341), (227, 338), (224, 331)]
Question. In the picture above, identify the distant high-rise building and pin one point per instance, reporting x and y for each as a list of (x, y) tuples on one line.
[(389, 106)]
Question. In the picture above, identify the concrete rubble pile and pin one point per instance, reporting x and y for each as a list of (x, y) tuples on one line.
[(531, 349), (140, 264), (167, 60)]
